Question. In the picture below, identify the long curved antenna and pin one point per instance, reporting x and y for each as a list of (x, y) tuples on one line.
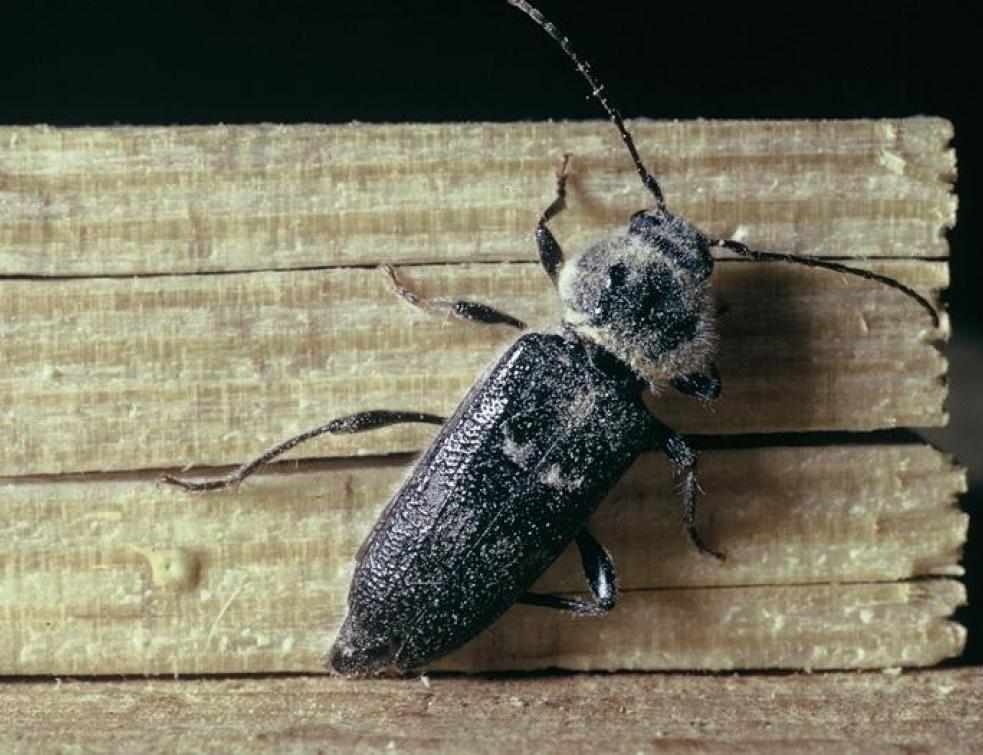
[(596, 90), (809, 261)]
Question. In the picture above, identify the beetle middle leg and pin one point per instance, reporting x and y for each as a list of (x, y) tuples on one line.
[(353, 423), (466, 310), (672, 444), (601, 578)]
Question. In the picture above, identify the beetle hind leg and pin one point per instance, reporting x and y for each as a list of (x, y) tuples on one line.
[(602, 579), (353, 423)]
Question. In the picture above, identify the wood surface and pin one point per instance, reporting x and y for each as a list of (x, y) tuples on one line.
[(115, 356), (177, 296), (925, 711), (116, 374), (115, 574), (132, 201)]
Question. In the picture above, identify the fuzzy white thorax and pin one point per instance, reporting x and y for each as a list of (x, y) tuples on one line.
[(643, 348)]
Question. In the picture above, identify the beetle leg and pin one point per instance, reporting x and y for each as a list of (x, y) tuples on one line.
[(672, 444), (466, 310), (702, 385), (550, 253), (353, 423), (601, 578)]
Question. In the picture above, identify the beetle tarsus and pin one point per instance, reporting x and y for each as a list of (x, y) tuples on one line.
[(196, 486), (693, 535)]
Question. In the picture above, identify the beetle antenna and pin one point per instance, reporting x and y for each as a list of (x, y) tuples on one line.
[(597, 89), (809, 261)]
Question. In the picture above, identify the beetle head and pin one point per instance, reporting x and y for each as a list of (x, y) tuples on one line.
[(645, 296)]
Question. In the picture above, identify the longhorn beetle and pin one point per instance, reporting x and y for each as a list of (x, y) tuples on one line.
[(514, 475)]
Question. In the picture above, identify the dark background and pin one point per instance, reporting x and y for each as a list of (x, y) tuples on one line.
[(167, 63)]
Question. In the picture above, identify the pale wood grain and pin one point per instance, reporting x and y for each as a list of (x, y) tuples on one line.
[(121, 576), (108, 374), (116, 356), (97, 201), (937, 711)]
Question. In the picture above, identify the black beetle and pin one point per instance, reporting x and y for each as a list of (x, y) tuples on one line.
[(515, 474)]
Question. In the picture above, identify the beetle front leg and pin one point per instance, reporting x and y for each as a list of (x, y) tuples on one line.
[(704, 385), (353, 423), (466, 310), (673, 445), (602, 579), (550, 253)]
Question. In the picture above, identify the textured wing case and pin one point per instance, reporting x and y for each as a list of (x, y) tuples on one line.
[(505, 487)]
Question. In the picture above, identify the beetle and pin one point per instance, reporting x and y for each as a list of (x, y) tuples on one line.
[(514, 475)]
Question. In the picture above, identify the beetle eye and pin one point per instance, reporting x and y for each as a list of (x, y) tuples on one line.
[(617, 275)]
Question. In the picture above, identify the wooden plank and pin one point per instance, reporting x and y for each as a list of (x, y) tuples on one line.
[(937, 711), (860, 626), (124, 201), (111, 374), (112, 574), (116, 356)]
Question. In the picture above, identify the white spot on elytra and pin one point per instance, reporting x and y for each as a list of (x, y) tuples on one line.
[(553, 477)]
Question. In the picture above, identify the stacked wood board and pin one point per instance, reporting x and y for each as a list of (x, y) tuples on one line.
[(175, 296)]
